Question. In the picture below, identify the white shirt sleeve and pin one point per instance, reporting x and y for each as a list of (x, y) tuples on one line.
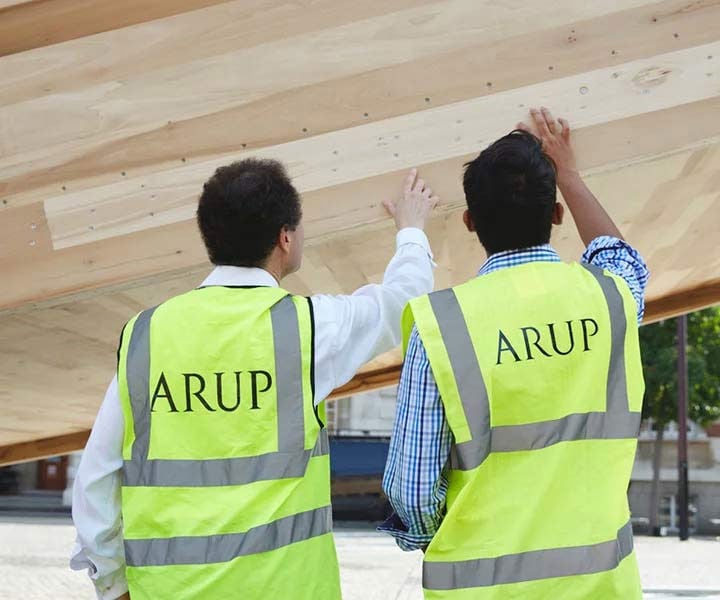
[(96, 502), (352, 330)]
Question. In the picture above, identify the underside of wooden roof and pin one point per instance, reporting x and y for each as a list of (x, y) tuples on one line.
[(112, 114)]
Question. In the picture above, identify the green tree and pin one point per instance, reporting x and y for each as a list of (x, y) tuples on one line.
[(660, 353)]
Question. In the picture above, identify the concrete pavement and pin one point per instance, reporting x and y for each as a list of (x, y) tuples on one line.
[(34, 558)]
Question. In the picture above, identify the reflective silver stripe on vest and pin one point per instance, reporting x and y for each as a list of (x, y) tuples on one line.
[(468, 378), (138, 382), (577, 426), (288, 376), (224, 471), (616, 423), (194, 550), (529, 566), (617, 398), (289, 462)]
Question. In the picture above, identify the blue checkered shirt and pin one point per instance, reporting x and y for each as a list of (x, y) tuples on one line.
[(420, 446)]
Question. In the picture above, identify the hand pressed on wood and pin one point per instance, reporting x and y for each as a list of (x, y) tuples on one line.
[(415, 204), (555, 138)]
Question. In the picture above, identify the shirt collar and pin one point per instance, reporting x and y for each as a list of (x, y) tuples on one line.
[(513, 258), (225, 275)]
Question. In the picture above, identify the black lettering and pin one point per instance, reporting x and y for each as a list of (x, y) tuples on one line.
[(504, 345), (162, 383), (218, 382), (536, 343), (585, 331), (255, 390), (197, 394), (551, 327)]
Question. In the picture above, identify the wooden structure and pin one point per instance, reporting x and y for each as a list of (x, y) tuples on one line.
[(112, 114)]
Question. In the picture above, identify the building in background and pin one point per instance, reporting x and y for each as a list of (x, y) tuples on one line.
[(703, 473)]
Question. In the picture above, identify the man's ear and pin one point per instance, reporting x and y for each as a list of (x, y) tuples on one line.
[(285, 239), (467, 219), (558, 214)]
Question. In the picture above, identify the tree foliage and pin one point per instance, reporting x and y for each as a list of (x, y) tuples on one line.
[(659, 353)]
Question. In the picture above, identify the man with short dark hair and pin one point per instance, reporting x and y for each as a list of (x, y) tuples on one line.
[(207, 474), (520, 397)]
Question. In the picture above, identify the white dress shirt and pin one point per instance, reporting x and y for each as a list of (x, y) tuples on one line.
[(349, 331)]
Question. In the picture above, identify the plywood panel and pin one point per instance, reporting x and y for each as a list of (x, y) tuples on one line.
[(158, 252), (113, 114), (434, 80), (415, 139), (132, 51), (30, 24), (99, 112)]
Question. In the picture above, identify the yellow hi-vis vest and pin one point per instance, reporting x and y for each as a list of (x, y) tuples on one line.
[(538, 367), (226, 476)]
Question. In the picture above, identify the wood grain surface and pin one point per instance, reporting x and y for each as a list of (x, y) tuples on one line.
[(113, 114)]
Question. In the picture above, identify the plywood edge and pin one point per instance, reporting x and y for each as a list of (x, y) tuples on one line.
[(43, 448), (682, 302)]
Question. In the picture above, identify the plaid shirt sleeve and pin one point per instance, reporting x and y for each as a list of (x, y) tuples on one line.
[(419, 449), (620, 258)]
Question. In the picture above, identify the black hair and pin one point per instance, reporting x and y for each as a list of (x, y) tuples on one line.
[(510, 193), (242, 209)]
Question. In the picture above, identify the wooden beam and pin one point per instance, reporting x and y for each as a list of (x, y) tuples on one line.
[(367, 381), (684, 301), (43, 448), (37, 23)]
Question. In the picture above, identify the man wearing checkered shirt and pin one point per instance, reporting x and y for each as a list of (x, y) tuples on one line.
[(416, 476)]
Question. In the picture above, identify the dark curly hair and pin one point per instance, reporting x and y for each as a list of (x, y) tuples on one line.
[(242, 209), (510, 193)]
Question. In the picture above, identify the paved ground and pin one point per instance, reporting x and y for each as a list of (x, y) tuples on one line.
[(33, 565)]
